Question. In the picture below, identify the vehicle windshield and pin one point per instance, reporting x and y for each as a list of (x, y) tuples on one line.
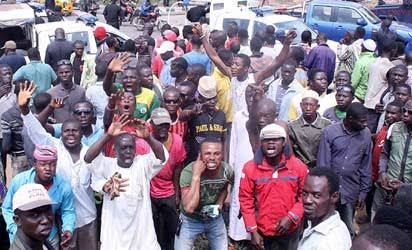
[(370, 15), (295, 24), (74, 36)]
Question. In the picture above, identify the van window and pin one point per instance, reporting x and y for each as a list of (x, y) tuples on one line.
[(74, 36), (322, 13), (258, 26), (346, 15), (241, 23)]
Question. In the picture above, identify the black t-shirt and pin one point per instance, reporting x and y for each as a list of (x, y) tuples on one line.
[(112, 12), (77, 70), (203, 126)]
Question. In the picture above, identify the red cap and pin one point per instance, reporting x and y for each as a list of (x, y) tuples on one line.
[(170, 35), (100, 33)]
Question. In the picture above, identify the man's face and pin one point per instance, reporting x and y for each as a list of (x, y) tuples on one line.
[(71, 134), (78, 49), (320, 83), (357, 124), (407, 113), (272, 147), (161, 131), (393, 114), (175, 69), (397, 76), (213, 41), (209, 104), (125, 149), (317, 201), (36, 223), (402, 94), (309, 107), (342, 79), (211, 154), (288, 74), (238, 68), (6, 74), (265, 115), (83, 112), (343, 99), (65, 73), (130, 81), (186, 94), (45, 170), (126, 104), (146, 78), (171, 102)]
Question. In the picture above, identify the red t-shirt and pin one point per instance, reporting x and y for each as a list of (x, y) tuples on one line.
[(161, 186), (377, 151)]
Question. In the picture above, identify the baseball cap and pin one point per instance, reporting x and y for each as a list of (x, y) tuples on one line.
[(272, 131), (207, 87), (169, 35), (9, 45), (100, 33), (369, 44), (160, 116), (166, 47), (30, 196)]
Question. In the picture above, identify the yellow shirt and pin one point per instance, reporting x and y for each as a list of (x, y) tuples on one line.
[(224, 100)]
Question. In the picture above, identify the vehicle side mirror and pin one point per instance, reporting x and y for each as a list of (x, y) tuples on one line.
[(361, 22)]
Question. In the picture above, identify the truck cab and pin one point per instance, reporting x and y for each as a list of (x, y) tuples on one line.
[(334, 18)]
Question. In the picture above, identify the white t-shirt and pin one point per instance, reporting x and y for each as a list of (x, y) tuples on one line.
[(127, 221)]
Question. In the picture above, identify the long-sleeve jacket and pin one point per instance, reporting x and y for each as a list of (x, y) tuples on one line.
[(360, 74), (61, 194), (277, 191)]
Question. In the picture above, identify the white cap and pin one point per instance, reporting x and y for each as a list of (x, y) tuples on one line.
[(30, 196), (272, 131), (207, 87), (369, 44), (310, 94), (166, 46)]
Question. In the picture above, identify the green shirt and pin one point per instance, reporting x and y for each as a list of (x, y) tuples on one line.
[(146, 102), (210, 188), (360, 74), (399, 154)]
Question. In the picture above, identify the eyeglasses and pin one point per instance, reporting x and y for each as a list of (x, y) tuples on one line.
[(171, 101), (83, 111), (64, 62)]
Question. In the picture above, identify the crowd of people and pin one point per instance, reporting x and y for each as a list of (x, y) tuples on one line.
[(206, 140)]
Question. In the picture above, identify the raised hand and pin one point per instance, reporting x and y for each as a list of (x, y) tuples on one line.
[(116, 127), (116, 65), (290, 36), (58, 103), (198, 167), (142, 131), (25, 93)]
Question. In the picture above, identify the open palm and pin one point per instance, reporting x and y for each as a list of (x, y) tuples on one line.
[(116, 127), (116, 65), (26, 92)]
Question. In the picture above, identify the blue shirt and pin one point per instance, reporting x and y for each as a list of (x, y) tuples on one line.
[(165, 78), (349, 155), (14, 60), (60, 193), (200, 58), (322, 57), (40, 73)]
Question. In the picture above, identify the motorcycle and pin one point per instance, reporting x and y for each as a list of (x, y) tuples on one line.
[(128, 10), (145, 14)]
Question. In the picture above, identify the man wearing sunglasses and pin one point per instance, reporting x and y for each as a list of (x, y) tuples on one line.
[(66, 88)]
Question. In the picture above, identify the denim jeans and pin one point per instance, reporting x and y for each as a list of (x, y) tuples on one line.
[(285, 242), (346, 213), (214, 229)]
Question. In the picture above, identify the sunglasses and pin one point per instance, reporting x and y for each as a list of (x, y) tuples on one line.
[(171, 101), (64, 62), (83, 111)]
